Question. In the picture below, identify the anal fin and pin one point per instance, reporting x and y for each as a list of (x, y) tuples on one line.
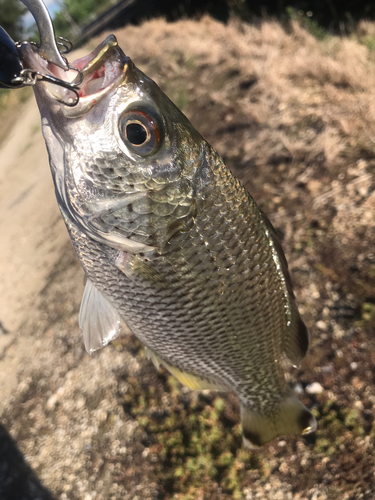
[(99, 320), (292, 418), (194, 382)]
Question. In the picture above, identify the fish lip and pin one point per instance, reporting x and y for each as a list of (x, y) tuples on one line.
[(106, 63), (87, 63), (106, 58)]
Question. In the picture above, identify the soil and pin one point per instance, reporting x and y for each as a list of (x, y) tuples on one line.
[(293, 117)]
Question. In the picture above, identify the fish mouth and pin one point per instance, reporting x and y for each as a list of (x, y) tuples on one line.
[(92, 76)]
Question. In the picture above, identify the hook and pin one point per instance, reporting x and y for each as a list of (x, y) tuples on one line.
[(66, 44), (28, 77)]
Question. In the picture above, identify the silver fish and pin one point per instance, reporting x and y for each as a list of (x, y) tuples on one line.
[(171, 242)]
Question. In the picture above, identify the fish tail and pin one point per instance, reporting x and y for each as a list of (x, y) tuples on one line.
[(291, 418)]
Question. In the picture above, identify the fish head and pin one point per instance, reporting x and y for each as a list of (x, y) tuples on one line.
[(125, 161)]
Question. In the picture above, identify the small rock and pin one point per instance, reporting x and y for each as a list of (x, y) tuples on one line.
[(80, 403), (314, 292), (298, 389), (52, 401), (338, 332), (321, 325), (248, 494), (283, 468), (314, 186), (325, 312), (358, 404), (314, 388), (327, 368), (357, 383), (102, 416)]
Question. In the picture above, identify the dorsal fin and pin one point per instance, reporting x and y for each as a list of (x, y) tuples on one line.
[(280, 253), (297, 339), (99, 320)]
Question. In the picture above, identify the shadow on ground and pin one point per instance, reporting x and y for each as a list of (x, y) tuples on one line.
[(17, 479)]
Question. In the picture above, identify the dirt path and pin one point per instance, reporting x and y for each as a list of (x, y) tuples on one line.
[(32, 235)]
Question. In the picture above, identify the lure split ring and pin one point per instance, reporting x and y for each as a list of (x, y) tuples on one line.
[(29, 77)]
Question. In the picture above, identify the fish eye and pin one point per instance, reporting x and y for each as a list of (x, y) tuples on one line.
[(141, 131)]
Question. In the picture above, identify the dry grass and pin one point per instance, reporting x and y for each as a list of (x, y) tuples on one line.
[(297, 78)]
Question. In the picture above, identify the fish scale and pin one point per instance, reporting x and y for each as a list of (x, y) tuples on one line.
[(171, 242), (226, 307)]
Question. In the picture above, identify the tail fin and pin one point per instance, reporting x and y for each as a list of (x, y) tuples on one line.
[(291, 418)]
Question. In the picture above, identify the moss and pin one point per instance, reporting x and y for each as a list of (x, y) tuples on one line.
[(195, 442), (368, 310), (369, 42), (354, 422), (337, 427)]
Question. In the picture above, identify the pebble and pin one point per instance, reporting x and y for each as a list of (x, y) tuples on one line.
[(357, 383), (314, 388), (313, 291), (298, 389), (358, 404), (338, 332), (321, 325)]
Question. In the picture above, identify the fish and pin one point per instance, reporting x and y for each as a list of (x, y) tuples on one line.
[(171, 242)]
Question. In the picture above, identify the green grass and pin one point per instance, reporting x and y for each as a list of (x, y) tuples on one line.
[(309, 24), (195, 442)]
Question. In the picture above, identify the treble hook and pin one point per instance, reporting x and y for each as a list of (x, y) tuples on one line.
[(29, 77), (67, 44)]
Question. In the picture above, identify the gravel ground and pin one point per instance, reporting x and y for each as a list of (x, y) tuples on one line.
[(293, 117)]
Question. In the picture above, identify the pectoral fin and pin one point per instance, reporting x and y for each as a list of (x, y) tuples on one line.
[(292, 418), (192, 381), (99, 320), (135, 268)]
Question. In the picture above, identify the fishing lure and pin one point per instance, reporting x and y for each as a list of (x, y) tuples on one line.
[(13, 75), (10, 62)]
